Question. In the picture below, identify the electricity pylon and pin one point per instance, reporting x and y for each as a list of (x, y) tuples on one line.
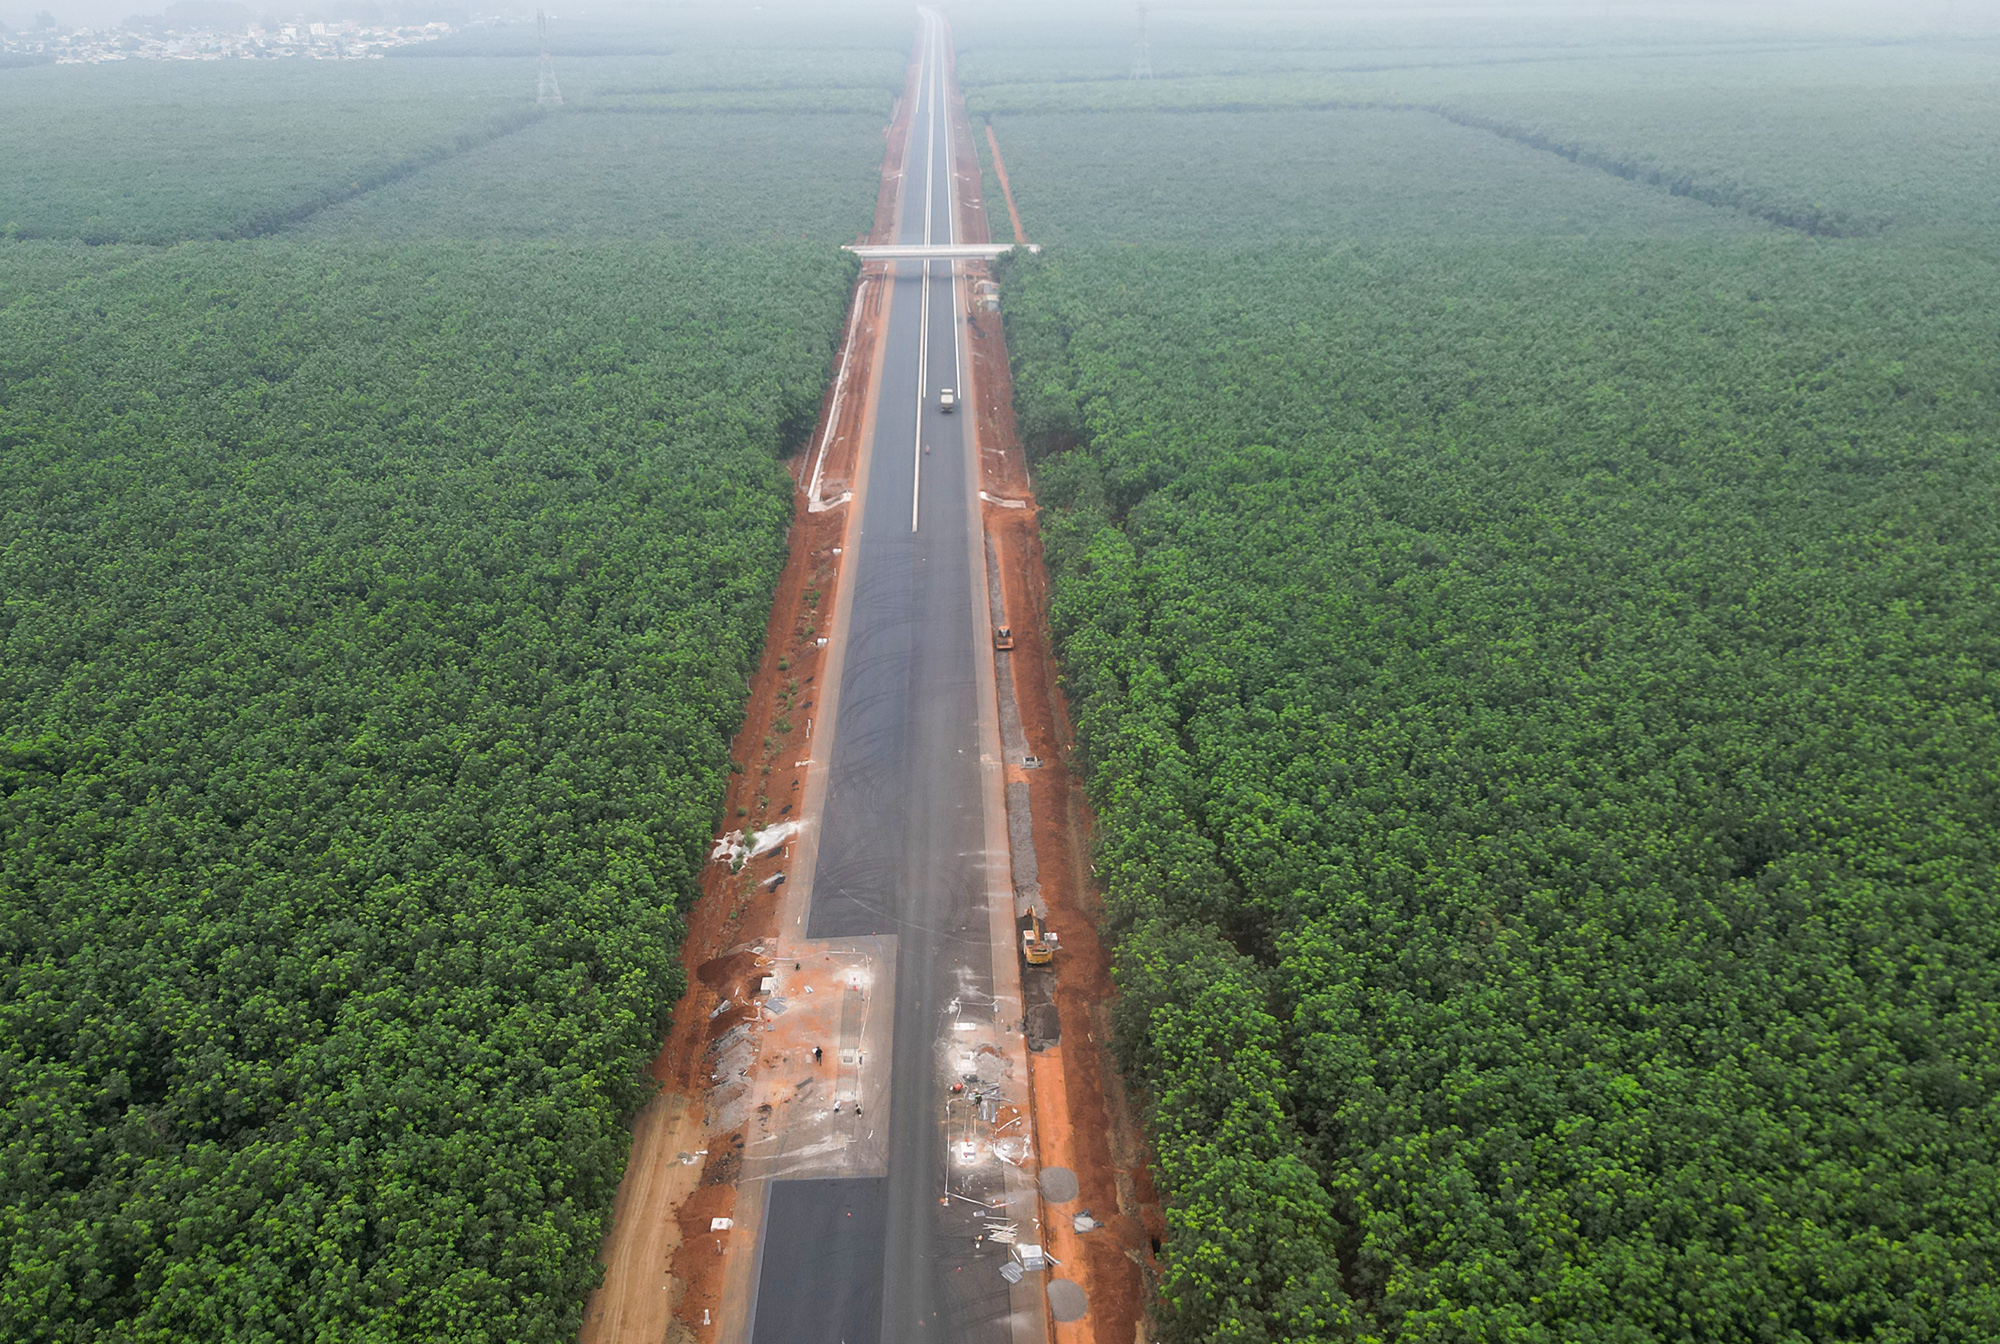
[(1142, 58), (546, 91)]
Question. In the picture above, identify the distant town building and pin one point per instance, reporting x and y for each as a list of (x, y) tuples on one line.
[(159, 39)]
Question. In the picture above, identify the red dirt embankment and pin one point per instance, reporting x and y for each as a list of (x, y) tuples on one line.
[(1006, 187), (1083, 1120), (663, 1267)]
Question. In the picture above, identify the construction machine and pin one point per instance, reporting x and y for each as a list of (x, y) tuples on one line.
[(1038, 945)]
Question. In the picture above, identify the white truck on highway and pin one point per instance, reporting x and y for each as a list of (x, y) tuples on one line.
[(947, 399)]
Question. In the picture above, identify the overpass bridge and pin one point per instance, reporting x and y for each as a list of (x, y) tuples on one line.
[(936, 251)]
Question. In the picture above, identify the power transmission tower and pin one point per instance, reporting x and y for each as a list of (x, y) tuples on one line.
[(546, 91), (1142, 57)]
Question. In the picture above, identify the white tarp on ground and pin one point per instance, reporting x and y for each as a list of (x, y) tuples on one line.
[(736, 847), (775, 838)]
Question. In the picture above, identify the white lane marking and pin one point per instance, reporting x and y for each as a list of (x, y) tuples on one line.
[(924, 302), (923, 372), (951, 234)]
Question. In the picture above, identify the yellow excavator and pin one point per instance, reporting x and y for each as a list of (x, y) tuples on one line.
[(1038, 945)]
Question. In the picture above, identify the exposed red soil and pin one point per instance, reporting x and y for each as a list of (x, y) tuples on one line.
[(1006, 187), (664, 1268)]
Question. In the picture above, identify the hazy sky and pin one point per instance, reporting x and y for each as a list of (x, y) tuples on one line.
[(1842, 18)]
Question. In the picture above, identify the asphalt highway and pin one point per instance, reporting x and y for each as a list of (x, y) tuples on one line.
[(902, 841)]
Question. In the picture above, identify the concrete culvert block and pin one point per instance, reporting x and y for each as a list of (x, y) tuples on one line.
[(1058, 1184), (1067, 1301)]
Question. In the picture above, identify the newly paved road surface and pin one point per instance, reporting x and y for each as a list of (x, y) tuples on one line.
[(823, 1245), (902, 839)]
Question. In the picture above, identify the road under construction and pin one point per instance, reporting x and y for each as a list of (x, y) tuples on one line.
[(900, 1204)]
